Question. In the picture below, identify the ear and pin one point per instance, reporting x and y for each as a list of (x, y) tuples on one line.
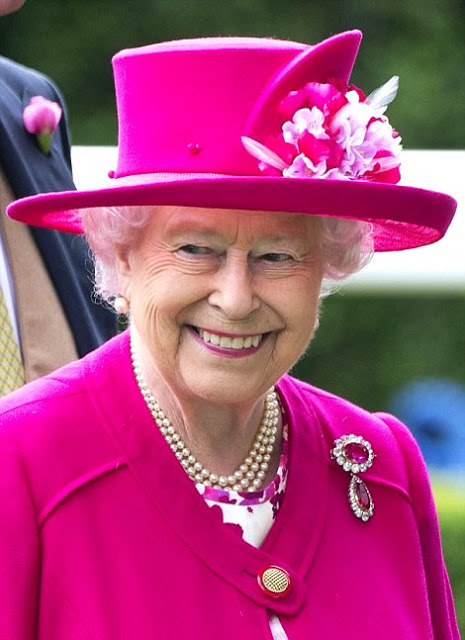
[(123, 269)]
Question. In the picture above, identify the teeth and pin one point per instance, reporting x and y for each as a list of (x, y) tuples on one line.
[(238, 343), (228, 342), (255, 341)]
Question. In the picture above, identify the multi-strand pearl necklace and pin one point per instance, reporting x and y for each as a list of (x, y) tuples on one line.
[(250, 474)]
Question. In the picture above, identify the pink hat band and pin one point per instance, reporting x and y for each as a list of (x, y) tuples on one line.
[(253, 124)]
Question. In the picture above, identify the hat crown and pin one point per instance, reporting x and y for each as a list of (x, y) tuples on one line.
[(184, 105)]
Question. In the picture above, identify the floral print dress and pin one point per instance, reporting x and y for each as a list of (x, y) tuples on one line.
[(251, 514)]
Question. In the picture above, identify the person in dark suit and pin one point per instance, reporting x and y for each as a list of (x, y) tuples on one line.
[(48, 273)]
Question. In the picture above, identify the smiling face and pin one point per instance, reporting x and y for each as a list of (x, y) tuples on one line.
[(224, 302)]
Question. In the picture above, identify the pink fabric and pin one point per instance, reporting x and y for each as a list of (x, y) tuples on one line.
[(183, 108), (96, 545), (403, 217)]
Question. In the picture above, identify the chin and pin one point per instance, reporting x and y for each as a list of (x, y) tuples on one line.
[(227, 388)]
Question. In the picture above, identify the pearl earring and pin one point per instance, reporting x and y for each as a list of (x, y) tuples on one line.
[(121, 304)]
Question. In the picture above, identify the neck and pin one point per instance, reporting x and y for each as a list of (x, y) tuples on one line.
[(220, 435)]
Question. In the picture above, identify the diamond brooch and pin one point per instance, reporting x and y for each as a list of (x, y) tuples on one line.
[(355, 455)]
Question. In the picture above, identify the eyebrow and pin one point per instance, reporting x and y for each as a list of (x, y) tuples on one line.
[(185, 224), (208, 233)]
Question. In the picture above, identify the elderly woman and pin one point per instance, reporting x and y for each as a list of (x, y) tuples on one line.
[(177, 482)]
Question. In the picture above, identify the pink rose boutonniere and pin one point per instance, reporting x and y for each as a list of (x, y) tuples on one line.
[(333, 132), (41, 118)]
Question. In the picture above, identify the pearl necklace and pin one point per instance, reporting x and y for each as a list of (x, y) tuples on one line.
[(250, 474)]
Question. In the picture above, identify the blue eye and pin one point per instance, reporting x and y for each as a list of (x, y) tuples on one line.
[(276, 257), (195, 250)]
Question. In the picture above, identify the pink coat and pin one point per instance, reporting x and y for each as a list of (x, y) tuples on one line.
[(103, 536)]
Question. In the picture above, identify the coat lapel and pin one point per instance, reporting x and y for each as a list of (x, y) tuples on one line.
[(173, 494), (303, 510)]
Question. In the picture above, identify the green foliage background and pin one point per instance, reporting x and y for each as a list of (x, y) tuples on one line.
[(451, 509), (422, 41), (367, 346)]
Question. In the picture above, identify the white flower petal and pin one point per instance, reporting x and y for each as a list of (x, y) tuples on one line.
[(262, 153), (380, 98)]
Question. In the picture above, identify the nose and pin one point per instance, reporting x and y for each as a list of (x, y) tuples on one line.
[(233, 291)]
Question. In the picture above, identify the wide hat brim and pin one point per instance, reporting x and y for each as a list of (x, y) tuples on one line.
[(166, 158), (402, 217)]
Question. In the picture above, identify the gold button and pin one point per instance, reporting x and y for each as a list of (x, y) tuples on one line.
[(275, 582)]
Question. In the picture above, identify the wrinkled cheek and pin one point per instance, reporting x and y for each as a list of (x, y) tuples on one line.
[(144, 315), (304, 334), (148, 323), (161, 321), (303, 345), (289, 347)]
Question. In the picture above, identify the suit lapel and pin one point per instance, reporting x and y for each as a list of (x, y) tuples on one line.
[(46, 340), (29, 171)]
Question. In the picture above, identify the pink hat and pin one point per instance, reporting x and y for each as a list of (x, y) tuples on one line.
[(254, 124)]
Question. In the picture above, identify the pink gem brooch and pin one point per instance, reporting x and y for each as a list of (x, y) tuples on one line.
[(355, 455)]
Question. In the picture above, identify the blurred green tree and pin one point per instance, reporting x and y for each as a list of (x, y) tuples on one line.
[(423, 41), (369, 346)]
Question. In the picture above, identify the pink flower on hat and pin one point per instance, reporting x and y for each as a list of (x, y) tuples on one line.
[(334, 133), (41, 118)]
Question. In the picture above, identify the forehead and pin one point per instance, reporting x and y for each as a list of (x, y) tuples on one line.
[(234, 222)]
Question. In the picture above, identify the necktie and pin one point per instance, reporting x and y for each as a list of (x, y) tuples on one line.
[(11, 366)]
